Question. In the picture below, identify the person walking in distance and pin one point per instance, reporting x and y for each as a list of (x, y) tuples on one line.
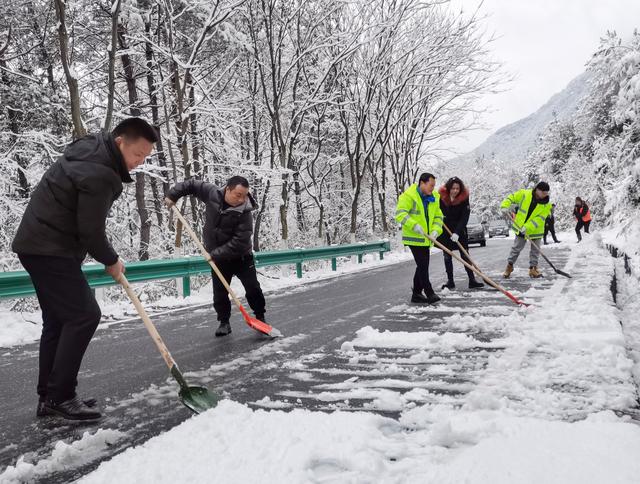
[(418, 213), (64, 220), (582, 215), (549, 226)]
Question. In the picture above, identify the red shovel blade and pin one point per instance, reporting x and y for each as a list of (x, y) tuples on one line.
[(260, 326)]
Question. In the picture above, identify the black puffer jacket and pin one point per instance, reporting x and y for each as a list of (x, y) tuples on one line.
[(68, 209), (227, 231), (456, 215)]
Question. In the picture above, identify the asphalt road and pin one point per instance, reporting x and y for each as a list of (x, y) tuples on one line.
[(124, 371)]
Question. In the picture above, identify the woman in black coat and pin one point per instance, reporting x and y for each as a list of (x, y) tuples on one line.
[(454, 203)]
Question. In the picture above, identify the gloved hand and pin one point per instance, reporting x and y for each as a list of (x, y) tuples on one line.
[(455, 237), (417, 228), (522, 232), (434, 234), (507, 213)]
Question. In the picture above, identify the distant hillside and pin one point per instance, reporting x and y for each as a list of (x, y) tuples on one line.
[(512, 142)]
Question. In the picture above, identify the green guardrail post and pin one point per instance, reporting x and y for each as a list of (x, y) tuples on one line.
[(359, 258), (299, 269), (186, 286), (381, 255), (334, 264)]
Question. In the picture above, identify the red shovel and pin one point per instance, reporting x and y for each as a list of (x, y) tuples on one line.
[(254, 323)]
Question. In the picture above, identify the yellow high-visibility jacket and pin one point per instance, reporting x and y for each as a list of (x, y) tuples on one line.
[(410, 211), (520, 201)]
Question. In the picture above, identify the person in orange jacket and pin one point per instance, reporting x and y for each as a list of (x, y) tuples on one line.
[(583, 217)]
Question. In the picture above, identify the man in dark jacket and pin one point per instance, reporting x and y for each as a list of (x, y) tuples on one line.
[(454, 203), (65, 220), (227, 237)]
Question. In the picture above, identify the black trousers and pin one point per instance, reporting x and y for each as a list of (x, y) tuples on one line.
[(70, 316), (579, 225), (448, 260), (421, 276), (550, 228), (245, 269)]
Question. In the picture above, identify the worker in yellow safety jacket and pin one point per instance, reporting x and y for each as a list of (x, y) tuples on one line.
[(418, 213), (528, 211)]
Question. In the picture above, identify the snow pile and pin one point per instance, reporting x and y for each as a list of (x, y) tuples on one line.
[(371, 338), (64, 456), (18, 328), (567, 356), (628, 287), (235, 444)]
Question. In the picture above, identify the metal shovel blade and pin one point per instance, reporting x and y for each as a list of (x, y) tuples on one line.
[(198, 399)]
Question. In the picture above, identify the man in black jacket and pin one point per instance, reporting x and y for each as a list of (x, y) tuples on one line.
[(64, 220), (227, 237), (550, 226)]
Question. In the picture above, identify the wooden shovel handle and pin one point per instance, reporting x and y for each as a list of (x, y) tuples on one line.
[(155, 336), (478, 272), (464, 251), (207, 256)]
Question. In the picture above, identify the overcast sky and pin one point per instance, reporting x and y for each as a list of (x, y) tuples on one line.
[(543, 44)]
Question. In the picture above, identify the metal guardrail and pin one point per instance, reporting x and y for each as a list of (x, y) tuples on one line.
[(18, 283)]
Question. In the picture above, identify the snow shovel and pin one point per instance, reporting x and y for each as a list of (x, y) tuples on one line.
[(555, 269), (196, 399), (481, 274), (254, 323), (478, 272)]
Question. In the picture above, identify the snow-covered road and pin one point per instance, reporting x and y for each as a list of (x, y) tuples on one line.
[(367, 388)]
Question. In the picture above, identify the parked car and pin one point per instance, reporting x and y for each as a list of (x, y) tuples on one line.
[(475, 231), (498, 227)]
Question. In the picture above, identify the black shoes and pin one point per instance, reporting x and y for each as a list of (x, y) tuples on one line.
[(41, 411), (224, 329), (418, 298), (449, 285), (261, 317), (473, 284), (72, 409), (432, 298)]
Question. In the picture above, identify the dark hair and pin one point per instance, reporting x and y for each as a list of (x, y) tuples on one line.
[(135, 128), (543, 186), (236, 180), (425, 177), (453, 180), (578, 199)]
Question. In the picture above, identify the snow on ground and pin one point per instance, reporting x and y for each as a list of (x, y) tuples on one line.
[(550, 405), (25, 327), (628, 297), (19, 328), (89, 448), (234, 444)]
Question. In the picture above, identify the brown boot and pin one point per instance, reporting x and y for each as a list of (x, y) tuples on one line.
[(534, 272), (508, 270)]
